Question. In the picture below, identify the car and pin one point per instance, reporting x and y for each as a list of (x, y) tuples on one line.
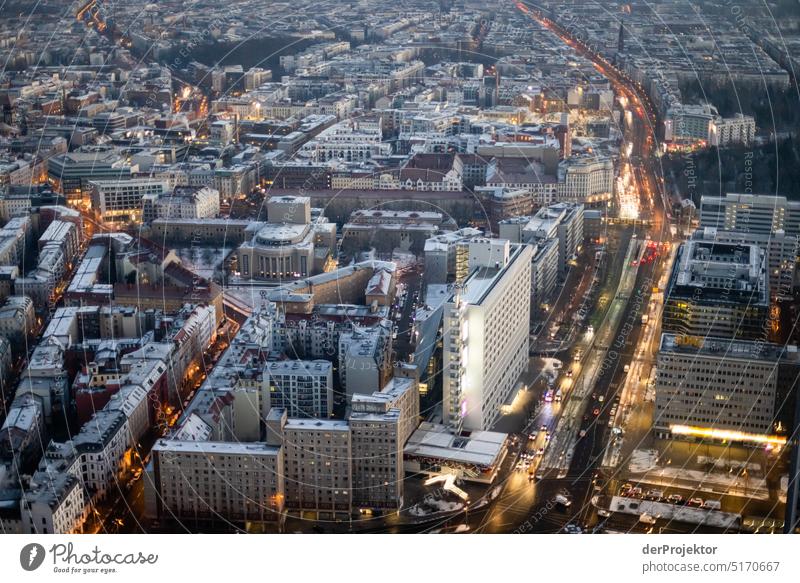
[(696, 502), (675, 499), (572, 529), (647, 518), (540, 451), (601, 398), (636, 492), (582, 433), (569, 374), (712, 504), (596, 412), (562, 500), (654, 495), (543, 428), (603, 513)]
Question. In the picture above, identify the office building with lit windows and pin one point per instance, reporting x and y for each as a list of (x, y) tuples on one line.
[(722, 389), (751, 213), (781, 250), (718, 289)]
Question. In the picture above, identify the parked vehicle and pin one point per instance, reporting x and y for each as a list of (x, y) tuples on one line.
[(647, 518), (654, 495)]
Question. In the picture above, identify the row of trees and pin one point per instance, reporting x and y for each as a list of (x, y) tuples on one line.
[(776, 110), (771, 168)]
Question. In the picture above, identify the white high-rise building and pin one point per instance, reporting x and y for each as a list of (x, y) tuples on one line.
[(486, 326)]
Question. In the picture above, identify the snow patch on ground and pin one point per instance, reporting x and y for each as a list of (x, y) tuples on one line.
[(202, 260), (549, 370), (643, 460), (715, 518), (431, 505), (643, 468), (403, 259)]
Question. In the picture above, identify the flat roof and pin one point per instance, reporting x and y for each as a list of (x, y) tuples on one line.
[(481, 448), (317, 424), (727, 348), (210, 447), (478, 285)]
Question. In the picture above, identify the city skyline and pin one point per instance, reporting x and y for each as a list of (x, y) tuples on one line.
[(372, 267)]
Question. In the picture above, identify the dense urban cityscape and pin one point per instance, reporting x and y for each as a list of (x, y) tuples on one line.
[(399, 267)]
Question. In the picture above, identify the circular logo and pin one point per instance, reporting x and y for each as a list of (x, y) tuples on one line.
[(31, 556)]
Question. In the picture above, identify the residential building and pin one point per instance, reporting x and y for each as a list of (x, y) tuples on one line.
[(17, 318), (365, 358), (202, 482), (380, 424), (440, 254), (781, 254), (318, 467), (184, 202), (304, 388)]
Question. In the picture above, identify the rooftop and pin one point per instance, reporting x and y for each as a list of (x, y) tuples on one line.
[(212, 447), (728, 348), (480, 448)]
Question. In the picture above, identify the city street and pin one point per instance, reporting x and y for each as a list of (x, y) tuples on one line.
[(583, 430)]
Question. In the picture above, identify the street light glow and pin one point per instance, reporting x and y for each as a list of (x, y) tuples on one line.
[(727, 435)]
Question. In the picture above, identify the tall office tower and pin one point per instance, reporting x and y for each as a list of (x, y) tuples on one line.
[(486, 335), (717, 289), (781, 254)]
